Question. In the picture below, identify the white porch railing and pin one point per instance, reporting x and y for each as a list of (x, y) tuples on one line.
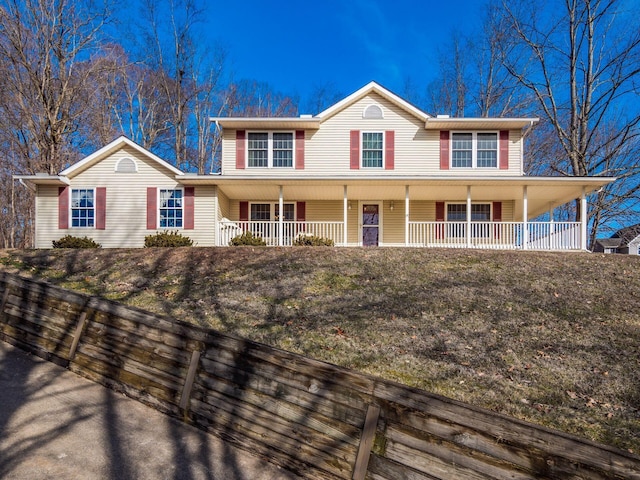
[(499, 235), (270, 231)]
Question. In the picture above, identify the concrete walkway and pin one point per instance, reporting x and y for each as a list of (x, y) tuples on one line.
[(55, 424)]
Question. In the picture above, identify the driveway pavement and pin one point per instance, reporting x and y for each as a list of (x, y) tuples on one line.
[(55, 424)]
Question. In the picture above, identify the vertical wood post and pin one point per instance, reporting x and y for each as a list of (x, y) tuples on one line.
[(188, 383), (281, 218), (366, 442), (76, 336)]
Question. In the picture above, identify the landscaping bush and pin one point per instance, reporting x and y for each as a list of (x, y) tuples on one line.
[(167, 239), (247, 239), (312, 241), (69, 241)]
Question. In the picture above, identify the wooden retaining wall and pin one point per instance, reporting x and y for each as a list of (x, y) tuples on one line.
[(316, 419)]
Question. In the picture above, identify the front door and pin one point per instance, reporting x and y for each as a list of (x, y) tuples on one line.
[(370, 225)]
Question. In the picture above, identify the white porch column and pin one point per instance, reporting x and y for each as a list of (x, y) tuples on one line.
[(583, 219), (406, 215), (525, 219), (345, 207), (281, 219), (468, 216)]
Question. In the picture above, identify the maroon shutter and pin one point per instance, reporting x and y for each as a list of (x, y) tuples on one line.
[(504, 149), (440, 218), (355, 149), (301, 211), (299, 149), (389, 149), (497, 217), (101, 208), (63, 207), (444, 150), (240, 149), (244, 211), (189, 194), (152, 208), (301, 215)]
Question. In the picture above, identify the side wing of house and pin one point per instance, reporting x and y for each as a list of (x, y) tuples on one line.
[(121, 198)]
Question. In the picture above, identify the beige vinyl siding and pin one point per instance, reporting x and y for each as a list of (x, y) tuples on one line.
[(47, 216), (126, 204), (393, 228), (422, 211), (327, 150), (224, 209), (328, 211)]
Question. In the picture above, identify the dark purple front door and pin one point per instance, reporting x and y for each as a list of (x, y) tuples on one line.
[(370, 225)]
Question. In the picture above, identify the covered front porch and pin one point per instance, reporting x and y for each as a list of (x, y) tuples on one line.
[(489, 213)]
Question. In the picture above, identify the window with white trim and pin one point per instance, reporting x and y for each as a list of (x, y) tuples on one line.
[(457, 214), (83, 210), (264, 212), (474, 149), (270, 149), (372, 149), (171, 207)]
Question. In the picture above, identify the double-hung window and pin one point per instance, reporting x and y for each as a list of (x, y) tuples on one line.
[(270, 149), (171, 208), (372, 150), (83, 210), (474, 150), (263, 213), (480, 216)]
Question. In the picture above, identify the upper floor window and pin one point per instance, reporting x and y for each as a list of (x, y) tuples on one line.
[(270, 149), (474, 150), (372, 150), (171, 208), (83, 207)]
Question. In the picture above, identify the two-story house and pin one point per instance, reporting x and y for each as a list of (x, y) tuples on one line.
[(370, 170)]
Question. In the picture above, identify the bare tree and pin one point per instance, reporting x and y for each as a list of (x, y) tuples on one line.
[(582, 64), (46, 76)]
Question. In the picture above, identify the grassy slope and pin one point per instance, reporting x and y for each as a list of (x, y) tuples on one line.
[(547, 337)]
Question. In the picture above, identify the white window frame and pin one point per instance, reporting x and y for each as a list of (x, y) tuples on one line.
[(159, 203), (474, 149), (362, 134), (93, 192), (270, 148)]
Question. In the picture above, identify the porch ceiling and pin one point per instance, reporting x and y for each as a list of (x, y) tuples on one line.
[(543, 193)]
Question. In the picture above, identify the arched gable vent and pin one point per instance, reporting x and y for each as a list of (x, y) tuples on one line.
[(372, 111), (126, 165)]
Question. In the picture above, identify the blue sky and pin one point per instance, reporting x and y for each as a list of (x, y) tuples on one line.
[(296, 45)]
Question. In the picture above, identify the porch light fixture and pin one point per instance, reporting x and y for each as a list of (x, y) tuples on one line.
[(392, 205), (349, 206)]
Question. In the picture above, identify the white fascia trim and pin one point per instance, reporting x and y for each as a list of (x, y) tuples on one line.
[(368, 88), (122, 140)]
